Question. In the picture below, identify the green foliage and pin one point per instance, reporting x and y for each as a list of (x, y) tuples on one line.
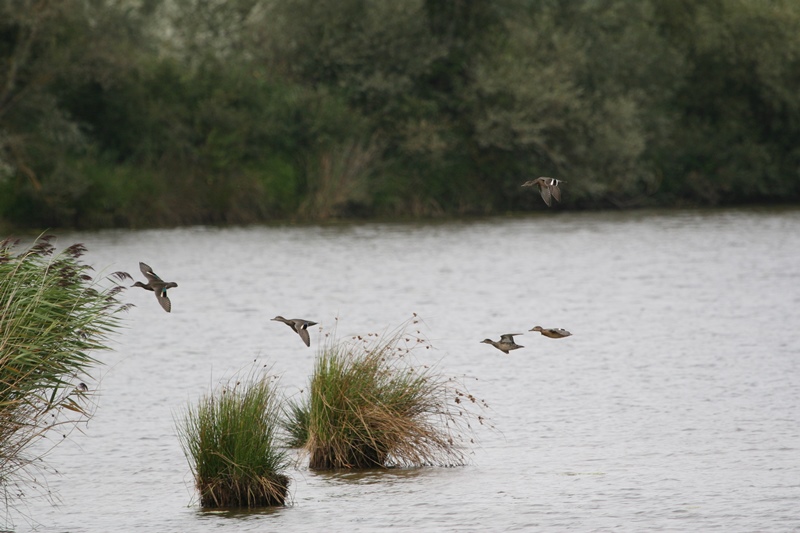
[(739, 127), (44, 48), (52, 317), (229, 440), (295, 422), (367, 408), (252, 110)]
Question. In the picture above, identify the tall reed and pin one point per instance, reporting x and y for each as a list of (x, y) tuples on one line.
[(368, 407), (339, 179), (53, 315), (230, 442)]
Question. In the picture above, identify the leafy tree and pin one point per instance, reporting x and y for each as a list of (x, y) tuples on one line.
[(739, 131), (45, 46), (200, 111)]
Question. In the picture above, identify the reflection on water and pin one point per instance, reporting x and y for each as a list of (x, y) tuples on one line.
[(236, 514), (372, 476), (674, 404)]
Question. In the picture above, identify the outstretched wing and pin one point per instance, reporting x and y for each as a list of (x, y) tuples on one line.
[(304, 335), (544, 190), (555, 191), (301, 325), (148, 272), (161, 296)]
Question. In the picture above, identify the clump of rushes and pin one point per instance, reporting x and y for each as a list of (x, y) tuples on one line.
[(53, 315), (295, 422), (369, 407), (230, 442)]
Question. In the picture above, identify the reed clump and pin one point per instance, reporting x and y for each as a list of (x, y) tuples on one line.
[(295, 422), (229, 439), (53, 316), (369, 407)]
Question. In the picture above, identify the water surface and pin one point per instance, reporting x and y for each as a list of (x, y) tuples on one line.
[(675, 405)]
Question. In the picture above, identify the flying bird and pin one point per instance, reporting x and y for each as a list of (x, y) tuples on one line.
[(505, 343), (299, 325), (553, 333), (547, 187), (157, 285)]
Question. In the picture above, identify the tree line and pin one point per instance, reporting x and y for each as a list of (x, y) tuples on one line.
[(132, 113)]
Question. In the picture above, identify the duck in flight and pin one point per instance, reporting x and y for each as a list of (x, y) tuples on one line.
[(299, 325), (547, 187), (157, 285), (553, 333), (505, 344)]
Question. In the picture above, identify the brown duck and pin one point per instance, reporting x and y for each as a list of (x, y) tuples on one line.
[(299, 325), (505, 344), (547, 187), (553, 333), (157, 285)]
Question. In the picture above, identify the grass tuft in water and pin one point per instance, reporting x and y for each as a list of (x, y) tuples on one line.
[(295, 422), (369, 407), (229, 439)]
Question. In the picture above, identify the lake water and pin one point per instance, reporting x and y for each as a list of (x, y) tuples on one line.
[(675, 405)]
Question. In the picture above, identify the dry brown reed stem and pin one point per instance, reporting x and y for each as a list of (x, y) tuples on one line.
[(339, 177)]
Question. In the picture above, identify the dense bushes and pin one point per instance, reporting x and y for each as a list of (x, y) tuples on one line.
[(197, 112)]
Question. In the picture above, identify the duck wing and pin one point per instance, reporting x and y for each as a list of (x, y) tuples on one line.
[(148, 272), (555, 191), (304, 335), (301, 327), (544, 190), (161, 296)]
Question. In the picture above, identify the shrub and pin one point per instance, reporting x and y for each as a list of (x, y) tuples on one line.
[(229, 441), (368, 408), (52, 315)]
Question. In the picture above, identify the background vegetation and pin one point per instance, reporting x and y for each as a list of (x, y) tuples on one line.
[(161, 112)]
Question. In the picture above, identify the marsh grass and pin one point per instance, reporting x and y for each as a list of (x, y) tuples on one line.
[(295, 422), (229, 439), (53, 316), (369, 407)]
